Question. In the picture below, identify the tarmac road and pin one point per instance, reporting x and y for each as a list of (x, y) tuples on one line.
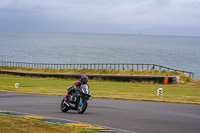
[(135, 116)]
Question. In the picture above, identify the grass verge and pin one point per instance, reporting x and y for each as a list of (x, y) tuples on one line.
[(179, 93), (13, 124)]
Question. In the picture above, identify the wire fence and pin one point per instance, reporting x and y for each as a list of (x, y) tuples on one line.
[(115, 66)]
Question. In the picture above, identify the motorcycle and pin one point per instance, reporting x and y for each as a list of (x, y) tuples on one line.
[(77, 101)]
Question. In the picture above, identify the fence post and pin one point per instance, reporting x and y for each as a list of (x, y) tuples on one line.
[(153, 67), (190, 74)]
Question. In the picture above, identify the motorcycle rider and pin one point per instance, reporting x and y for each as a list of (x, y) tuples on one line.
[(77, 84)]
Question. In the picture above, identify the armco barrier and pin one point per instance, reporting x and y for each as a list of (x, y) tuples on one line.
[(97, 66), (123, 78)]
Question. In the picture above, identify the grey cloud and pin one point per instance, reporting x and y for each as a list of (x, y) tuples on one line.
[(129, 14)]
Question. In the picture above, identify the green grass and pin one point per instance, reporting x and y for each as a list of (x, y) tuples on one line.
[(180, 93), (13, 124)]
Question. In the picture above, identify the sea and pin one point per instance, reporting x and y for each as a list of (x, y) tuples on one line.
[(177, 52)]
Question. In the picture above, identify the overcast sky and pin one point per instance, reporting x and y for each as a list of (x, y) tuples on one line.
[(163, 17)]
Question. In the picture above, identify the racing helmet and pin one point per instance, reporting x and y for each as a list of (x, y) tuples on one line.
[(84, 79)]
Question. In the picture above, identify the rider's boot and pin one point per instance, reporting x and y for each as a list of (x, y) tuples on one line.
[(67, 96)]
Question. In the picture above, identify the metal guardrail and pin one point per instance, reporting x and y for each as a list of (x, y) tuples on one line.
[(115, 66), (122, 78)]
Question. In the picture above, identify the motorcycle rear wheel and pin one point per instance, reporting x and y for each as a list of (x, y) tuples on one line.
[(63, 106)]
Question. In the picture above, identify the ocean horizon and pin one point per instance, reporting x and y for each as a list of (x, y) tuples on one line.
[(178, 52)]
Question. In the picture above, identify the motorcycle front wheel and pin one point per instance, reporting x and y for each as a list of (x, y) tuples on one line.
[(82, 106), (63, 105)]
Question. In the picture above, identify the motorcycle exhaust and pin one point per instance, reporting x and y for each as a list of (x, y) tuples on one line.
[(66, 103), (72, 105)]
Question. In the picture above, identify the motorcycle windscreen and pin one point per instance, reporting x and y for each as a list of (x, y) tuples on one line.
[(85, 89)]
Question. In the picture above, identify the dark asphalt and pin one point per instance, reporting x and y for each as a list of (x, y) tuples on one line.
[(135, 116)]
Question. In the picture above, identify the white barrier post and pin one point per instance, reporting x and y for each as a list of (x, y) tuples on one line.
[(159, 91), (16, 85)]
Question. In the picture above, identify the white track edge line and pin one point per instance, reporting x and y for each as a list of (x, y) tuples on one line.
[(73, 121)]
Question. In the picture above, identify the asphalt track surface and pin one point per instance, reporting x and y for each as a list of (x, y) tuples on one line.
[(134, 116)]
